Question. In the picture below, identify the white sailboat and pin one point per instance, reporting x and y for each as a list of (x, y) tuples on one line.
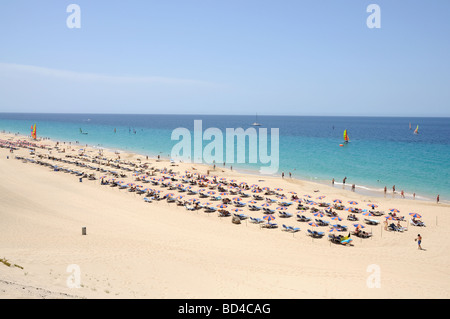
[(256, 121)]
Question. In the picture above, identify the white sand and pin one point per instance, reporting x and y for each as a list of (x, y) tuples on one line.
[(135, 249)]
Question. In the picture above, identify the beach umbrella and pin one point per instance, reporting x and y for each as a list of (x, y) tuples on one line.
[(313, 224), (180, 196), (237, 210), (256, 190), (233, 181), (389, 217), (337, 201), (266, 188), (281, 208), (201, 190), (269, 217), (372, 205), (415, 215), (333, 230), (318, 214), (367, 214), (238, 199), (253, 202), (222, 206), (266, 204), (352, 202), (321, 197), (394, 210), (278, 189), (243, 183), (293, 193), (359, 225), (281, 197), (211, 193), (312, 203), (350, 209), (336, 218), (223, 193)]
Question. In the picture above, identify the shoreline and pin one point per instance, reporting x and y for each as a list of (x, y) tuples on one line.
[(360, 189)]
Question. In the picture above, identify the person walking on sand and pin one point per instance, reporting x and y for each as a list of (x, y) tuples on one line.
[(437, 199), (419, 241)]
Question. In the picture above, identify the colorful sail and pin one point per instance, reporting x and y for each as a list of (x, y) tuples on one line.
[(33, 131), (416, 131), (345, 136)]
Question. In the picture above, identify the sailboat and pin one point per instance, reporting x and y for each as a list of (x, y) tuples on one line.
[(346, 137), (346, 140), (409, 125), (416, 131), (256, 121)]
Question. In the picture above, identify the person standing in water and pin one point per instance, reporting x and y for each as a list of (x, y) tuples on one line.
[(437, 199)]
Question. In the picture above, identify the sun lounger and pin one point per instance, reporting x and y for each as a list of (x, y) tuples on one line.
[(223, 213), (293, 229), (241, 216), (147, 200), (256, 220), (315, 234), (362, 234), (270, 225), (416, 223), (371, 221)]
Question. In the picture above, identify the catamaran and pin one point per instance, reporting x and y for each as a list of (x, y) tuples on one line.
[(416, 131)]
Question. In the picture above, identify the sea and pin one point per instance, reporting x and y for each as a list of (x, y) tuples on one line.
[(382, 151)]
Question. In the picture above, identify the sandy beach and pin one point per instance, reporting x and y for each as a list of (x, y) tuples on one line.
[(138, 249)]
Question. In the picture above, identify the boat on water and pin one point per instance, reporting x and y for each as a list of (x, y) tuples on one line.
[(256, 121), (81, 131), (346, 139), (416, 131), (409, 125)]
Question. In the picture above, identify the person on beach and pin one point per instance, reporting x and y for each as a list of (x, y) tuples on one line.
[(393, 189), (343, 181), (385, 190), (437, 199), (282, 174), (332, 181), (414, 195), (419, 241), (353, 187), (403, 194)]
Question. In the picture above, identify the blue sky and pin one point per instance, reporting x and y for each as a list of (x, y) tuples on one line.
[(226, 57)]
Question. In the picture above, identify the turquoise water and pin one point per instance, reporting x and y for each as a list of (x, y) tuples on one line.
[(382, 151)]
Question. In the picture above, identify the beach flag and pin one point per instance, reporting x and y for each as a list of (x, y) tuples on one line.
[(33, 131)]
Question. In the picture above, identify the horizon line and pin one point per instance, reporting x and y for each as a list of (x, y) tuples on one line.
[(209, 114)]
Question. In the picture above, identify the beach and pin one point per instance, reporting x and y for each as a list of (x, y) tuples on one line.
[(160, 250)]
